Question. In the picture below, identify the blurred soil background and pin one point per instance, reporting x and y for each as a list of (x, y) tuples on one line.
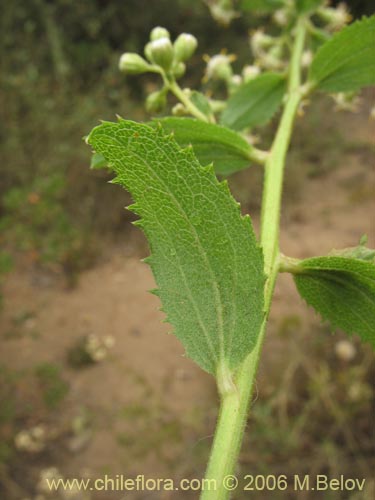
[(90, 382)]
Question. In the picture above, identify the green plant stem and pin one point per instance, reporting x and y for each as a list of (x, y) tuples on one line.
[(178, 92), (289, 265), (258, 156), (234, 405)]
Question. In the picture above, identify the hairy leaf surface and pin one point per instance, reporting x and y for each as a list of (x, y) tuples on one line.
[(204, 255), (347, 61), (342, 290), (228, 151), (255, 102)]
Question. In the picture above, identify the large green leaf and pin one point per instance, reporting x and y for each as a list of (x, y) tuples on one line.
[(227, 150), (342, 290), (204, 254), (347, 61), (255, 102)]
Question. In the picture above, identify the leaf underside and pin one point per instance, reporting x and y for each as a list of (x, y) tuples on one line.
[(346, 62), (342, 290), (204, 255), (255, 102), (228, 151)]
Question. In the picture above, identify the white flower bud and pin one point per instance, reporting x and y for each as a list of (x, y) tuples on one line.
[(219, 68), (179, 70), (273, 59), (222, 12), (235, 82), (259, 41), (133, 64), (156, 101), (185, 46), (179, 110), (159, 32), (147, 51), (161, 52), (335, 18), (250, 72), (281, 17)]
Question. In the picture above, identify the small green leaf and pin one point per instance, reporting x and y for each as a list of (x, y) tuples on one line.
[(342, 290), (204, 254), (255, 102), (98, 161), (347, 61), (228, 151), (201, 102)]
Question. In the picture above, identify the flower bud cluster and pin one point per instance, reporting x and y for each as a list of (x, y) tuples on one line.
[(161, 54)]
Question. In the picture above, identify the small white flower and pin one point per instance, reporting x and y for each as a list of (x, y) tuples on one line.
[(161, 52), (249, 72), (219, 67), (347, 101), (259, 42), (133, 64), (307, 58), (281, 17), (236, 80), (32, 440), (221, 11)]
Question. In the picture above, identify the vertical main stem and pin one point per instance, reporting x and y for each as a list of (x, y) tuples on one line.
[(234, 405)]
